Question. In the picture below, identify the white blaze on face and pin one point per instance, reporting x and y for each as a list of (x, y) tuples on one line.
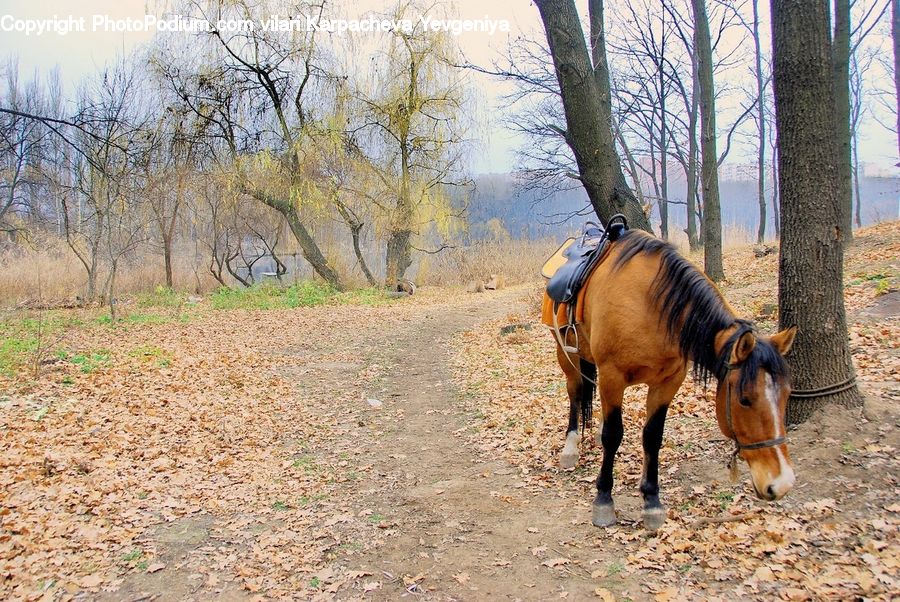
[(785, 479)]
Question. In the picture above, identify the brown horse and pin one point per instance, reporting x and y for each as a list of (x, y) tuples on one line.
[(647, 313)]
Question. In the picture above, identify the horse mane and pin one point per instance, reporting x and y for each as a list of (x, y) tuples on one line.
[(694, 312)]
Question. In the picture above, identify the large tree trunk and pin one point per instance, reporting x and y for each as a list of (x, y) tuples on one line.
[(587, 102), (895, 36), (776, 212), (398, 257), (810, 293), (709, 168), (761, 122), (840, 54)]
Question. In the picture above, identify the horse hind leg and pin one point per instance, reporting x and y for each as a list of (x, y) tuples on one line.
[(658, 400)]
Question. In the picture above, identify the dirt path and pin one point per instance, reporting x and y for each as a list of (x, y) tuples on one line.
[(459, 527)]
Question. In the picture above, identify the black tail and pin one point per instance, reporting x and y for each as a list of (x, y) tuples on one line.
[(588, 370)]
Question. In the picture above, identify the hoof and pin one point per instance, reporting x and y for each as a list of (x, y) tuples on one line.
[(654, 518), (604, 515), (567, 461)]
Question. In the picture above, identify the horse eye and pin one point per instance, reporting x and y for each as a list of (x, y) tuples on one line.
[(745, 402)]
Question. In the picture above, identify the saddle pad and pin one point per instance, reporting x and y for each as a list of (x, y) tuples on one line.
[(562, 312), (556, 260)]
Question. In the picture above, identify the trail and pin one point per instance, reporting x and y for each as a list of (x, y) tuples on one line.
[(460, 527)]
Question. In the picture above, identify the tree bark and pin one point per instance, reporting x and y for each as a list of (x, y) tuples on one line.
[(761, 117), (709, 168), (810, 272), (895, 36), (840, 54), (587, 102)]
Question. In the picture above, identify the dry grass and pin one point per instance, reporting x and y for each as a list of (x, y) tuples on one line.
[(517, 261), (49, 271)]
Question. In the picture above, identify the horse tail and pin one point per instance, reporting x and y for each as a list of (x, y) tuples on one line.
[(588, 371)]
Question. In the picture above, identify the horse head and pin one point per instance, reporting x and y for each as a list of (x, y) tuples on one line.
[(753, 389)]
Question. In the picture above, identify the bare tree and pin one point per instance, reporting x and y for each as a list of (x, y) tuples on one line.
[(587, 101), (712, 222), (22, 141), (269, 78)]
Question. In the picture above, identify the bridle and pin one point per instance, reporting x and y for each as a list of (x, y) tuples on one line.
[(738, 445)]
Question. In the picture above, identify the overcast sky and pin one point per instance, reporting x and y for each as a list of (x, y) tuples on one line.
[(79, 54)]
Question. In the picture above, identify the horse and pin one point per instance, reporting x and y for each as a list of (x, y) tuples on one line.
[(647, 313)]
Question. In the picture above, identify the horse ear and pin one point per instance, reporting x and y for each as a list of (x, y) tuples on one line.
[(742, 348), (783, 340)]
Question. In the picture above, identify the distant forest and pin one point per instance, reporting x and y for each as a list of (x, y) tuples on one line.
[(530, 214)]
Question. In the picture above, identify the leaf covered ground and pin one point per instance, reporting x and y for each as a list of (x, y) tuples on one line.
[(259, 448)]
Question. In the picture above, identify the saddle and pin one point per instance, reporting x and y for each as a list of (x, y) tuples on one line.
[(579, 256), (567, 271)]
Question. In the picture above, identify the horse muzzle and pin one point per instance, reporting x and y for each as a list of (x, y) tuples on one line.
[(771, 473)]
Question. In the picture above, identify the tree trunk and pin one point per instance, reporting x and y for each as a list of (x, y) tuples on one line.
[(895, 36), (810, 272), (167, 255), (587, 103), (356, 227), (632, 166), (398, 256), (776, 212), (693, 239), (840, 54), (855, 151), (709, 168), (761, 121)]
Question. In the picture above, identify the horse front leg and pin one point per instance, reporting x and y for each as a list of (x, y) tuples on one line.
[(611, 391), (658, 400)]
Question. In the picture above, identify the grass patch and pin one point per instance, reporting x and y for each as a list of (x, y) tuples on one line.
[(272, 296), (161, 297), (152, 353), (307, 293), (88, 362), (14, 353), (21, 339), (137, 318)]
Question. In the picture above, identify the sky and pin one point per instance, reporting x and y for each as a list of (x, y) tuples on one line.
[(78, 54)]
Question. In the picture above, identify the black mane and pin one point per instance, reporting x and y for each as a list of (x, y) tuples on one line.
[(688, 301)]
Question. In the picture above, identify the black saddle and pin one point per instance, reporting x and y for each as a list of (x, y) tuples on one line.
[(581, 257)]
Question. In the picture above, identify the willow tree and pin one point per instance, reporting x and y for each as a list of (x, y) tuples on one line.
[(258, 91), (413, 109)]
